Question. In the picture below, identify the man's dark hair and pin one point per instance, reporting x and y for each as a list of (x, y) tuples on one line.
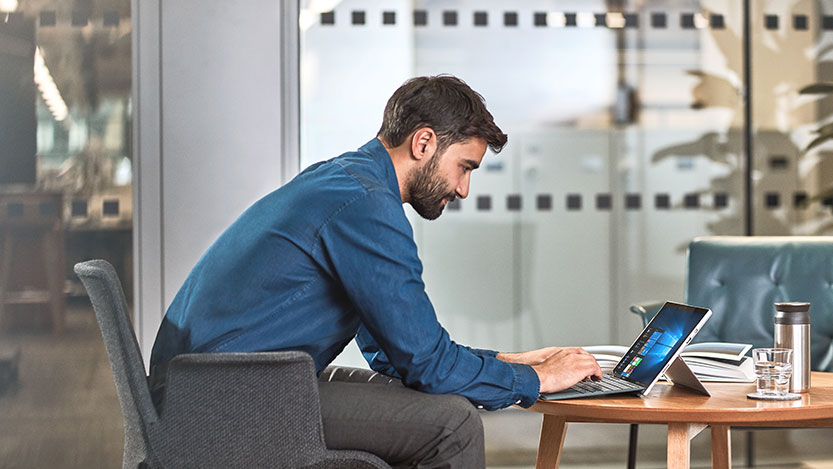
[(444, 103)]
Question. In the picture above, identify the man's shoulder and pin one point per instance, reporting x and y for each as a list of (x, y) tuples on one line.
[(352, 172), (363, 169)]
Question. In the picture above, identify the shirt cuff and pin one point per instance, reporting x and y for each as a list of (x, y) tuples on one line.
[(527, 387)]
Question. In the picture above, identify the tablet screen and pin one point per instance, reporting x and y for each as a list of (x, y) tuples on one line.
[(662, 337)]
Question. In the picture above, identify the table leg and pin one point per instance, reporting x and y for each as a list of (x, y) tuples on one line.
[(553, 430), (679, 447), (721, 447)]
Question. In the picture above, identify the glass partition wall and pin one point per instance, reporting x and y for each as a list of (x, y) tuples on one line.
[(791, 46), (65, 196), (65, 124), (633, 126)]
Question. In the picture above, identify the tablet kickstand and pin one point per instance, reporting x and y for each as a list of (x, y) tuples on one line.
[(680, 373)]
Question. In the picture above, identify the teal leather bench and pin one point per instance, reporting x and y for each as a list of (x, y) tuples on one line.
[(740, 277)]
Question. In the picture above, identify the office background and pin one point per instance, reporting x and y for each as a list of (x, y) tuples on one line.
[(634, 126)]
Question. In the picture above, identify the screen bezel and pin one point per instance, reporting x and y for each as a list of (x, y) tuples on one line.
[(705, 313)]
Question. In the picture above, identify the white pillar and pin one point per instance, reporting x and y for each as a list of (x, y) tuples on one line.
[(215, 96)]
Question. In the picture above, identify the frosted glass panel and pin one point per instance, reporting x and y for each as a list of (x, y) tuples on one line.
[(627, 138)]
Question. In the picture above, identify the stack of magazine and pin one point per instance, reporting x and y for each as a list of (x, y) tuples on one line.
[(710, 361)]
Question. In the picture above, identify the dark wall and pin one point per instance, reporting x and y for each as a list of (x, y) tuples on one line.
[(18, 123)]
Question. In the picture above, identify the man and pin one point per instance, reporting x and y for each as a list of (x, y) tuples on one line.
[(330, 256)]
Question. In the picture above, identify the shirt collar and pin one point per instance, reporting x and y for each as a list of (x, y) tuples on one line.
[(378, 153)]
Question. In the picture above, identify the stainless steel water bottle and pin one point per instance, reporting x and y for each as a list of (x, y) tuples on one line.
[(792, 331)]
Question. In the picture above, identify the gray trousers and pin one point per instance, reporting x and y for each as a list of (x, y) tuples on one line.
[(367, 411)]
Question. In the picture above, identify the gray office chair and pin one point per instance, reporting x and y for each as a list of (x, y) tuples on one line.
[(229, 410), (740, 277)]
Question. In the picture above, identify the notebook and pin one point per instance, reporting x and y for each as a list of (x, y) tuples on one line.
[(655, 351)]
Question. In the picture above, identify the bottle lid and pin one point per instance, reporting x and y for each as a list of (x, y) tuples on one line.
[(792, 313), (792, 307)]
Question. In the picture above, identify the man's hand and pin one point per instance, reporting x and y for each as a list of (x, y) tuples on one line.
[(566, 367)]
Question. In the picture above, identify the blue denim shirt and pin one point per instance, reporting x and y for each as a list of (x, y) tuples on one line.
[(328, 257)]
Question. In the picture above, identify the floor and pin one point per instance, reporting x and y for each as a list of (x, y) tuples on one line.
[(63, 412)]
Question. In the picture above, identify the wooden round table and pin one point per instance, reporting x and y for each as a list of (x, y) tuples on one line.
[(686, 415)]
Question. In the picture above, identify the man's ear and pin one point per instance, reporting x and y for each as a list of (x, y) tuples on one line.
[(423, 143)]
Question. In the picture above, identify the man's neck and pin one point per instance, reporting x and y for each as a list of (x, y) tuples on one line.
[(401, 158)]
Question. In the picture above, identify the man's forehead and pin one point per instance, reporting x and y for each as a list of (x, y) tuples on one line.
[(473, 150)]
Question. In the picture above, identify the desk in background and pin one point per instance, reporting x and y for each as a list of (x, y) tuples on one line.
[(42, 234), (32, 254)]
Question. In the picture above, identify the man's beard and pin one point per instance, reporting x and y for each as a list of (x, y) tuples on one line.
[(427, 190)]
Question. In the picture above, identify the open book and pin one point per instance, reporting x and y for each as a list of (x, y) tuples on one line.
[(710, 361)]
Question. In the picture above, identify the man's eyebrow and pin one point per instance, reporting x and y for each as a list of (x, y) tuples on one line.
[(472, 163)]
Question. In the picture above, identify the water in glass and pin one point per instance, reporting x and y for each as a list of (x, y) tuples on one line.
[(773, 368), (773, 377)]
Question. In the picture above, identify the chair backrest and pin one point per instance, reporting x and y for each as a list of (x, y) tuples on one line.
[(107, 297), (740, 277), (242, 410)]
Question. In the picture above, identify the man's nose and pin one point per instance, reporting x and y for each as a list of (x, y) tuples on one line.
[(463, 187)]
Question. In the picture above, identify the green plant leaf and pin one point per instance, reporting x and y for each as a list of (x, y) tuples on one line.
[(818, 141), (818, 88), (825, 129)]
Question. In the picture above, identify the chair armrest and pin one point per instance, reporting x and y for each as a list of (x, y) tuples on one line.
[(646, 310), (240, 410)]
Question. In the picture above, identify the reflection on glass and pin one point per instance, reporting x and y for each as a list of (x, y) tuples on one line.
[(66, 87), (65, 196), (791, 46)]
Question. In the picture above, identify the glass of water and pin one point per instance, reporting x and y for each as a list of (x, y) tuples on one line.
[(773, 368)]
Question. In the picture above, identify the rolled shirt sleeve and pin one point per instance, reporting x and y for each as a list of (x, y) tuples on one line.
[(368, 245)]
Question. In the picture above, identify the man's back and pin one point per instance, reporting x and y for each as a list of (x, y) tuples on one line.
[(270, 272)]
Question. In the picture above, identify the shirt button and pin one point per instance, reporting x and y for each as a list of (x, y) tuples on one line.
[(517, 402), (480, 407)]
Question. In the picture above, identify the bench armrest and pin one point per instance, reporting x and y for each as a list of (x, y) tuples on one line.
[(646, 310)]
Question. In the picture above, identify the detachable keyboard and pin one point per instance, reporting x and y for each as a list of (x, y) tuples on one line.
[(610, 384)]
